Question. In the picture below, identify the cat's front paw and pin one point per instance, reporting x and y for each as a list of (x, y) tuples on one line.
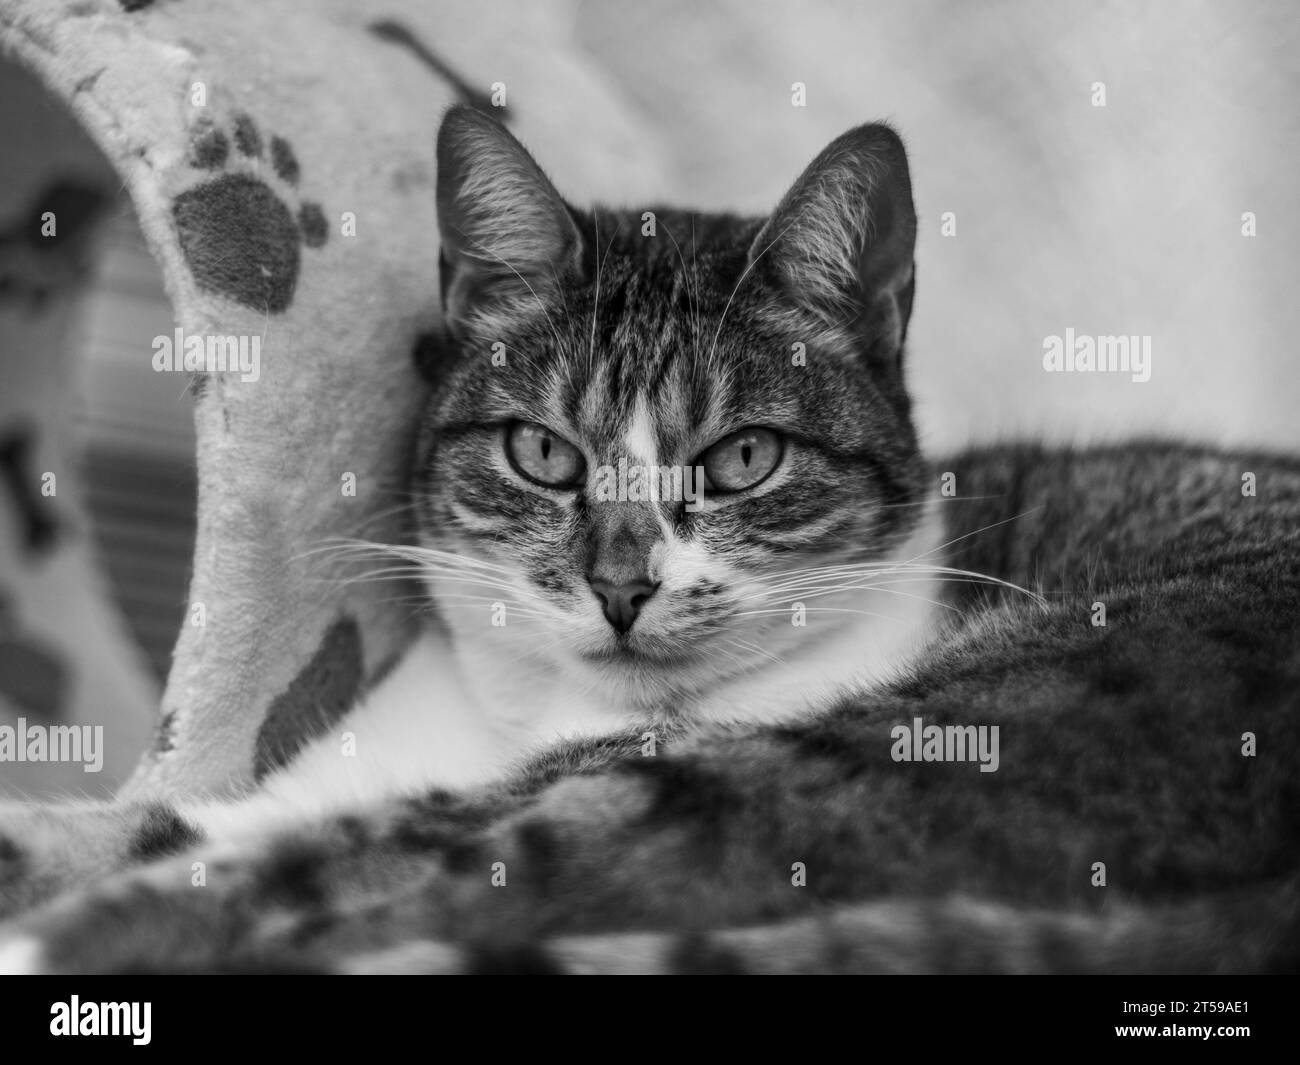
[(31, 865), (48, 850)]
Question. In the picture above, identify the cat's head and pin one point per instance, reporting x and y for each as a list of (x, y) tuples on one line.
[(760, 358)]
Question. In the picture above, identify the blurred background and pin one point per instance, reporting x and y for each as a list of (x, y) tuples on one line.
[(1122, 219)]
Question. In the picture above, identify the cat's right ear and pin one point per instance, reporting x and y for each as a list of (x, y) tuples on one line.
[(508, 238), (839, 246)]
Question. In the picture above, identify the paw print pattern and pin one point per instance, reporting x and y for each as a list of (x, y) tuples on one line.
[(237, 233)]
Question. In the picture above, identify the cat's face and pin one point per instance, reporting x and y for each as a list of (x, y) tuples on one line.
[(593, 365)]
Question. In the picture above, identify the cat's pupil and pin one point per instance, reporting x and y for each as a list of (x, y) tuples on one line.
[(546, 448), (745, 452)]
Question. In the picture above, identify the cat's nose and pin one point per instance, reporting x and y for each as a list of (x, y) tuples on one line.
[(622, 602)]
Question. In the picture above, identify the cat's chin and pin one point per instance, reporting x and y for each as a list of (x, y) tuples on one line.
[(638, 677), (631, 656)]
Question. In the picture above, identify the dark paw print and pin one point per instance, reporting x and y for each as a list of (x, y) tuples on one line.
[(239, 237), (324, 690)]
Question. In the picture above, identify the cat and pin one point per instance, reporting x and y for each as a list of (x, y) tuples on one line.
[(681, 751)]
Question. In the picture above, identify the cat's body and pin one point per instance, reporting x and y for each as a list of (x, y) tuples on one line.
[(1121, 744), (678, 748)]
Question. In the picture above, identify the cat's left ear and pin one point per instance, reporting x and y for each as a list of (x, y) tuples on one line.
[(840, 245), (508, 238)]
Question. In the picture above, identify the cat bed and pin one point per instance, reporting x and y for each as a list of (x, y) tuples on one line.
[(290, 208), (284, 182)]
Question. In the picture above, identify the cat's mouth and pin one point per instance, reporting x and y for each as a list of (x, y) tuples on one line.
[(637, 653)]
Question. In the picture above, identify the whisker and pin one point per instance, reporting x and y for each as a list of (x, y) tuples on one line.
[(753, 647), (415, 553), (934, 499), (920, 569), (690, 295), (406, 574), (512, 609), (595, 303), (815, 610), (740, 281), (976, 532), (837, 589), (484, 247)]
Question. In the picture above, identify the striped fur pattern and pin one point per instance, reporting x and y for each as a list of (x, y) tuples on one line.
[(1130, 825), (1122, 744)]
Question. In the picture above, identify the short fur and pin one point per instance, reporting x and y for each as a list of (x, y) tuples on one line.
[(695, 819)]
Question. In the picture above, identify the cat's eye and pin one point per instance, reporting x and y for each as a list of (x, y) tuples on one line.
[(742, 460), (542, 457)]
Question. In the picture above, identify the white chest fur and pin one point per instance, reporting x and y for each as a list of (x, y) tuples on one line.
[(454, 720)]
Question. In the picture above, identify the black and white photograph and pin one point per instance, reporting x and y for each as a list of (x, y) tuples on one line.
[(642, 487)]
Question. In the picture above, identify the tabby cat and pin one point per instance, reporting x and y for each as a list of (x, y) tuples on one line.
[(697, 736)]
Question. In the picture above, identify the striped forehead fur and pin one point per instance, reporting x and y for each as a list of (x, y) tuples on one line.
[(648, 339)]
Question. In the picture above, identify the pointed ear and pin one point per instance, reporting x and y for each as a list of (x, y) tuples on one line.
[(839, 245), (508, 239)]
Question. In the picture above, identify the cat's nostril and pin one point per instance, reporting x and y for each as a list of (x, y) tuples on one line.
[(622, 602)]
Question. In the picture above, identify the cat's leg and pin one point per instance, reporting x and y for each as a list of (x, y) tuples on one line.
[(341, 885), (507, 883), (51, 849), (362, 881), (47, 849), (401, 747)]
